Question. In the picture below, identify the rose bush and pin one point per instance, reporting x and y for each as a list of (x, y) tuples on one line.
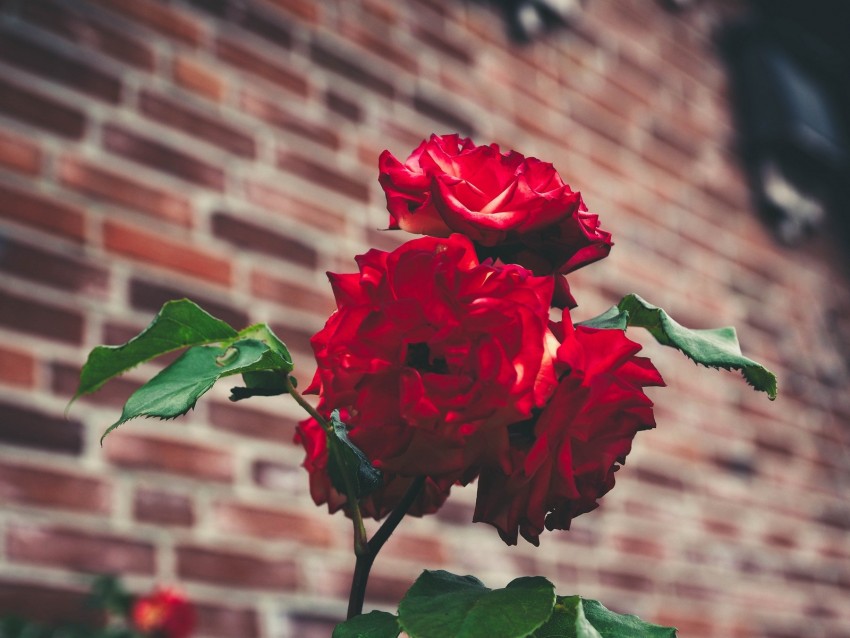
[(515, 208), (565, 456), (432, 354), (165, 613)]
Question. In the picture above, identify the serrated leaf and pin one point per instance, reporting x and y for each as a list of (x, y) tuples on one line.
[(176, 389), (348, 460), (611, 319), (375, 624), (179, 324), (440, 604), (716, 348), (613, 625)]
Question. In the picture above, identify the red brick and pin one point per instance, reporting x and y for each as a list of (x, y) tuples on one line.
[(150, 296), (34, 429), (226, 622), (377, 42), (250, 236), (271, 198), (343, 106), (245, 421), (38, 110), (66, 378), (199, 78), (153, 248), (159, 17), (323, 175), (54, 489), (76, 74), (17, 368), (117, 188), (41, 213), (162, 157), (305, 9), (445, 46), (163, 455), (230, 569), (53, 269), (19, 154), (40, 319), (251, 102), (343, 64), (194, 122), (272, 524), (292, 295), (249, 61), (163, 508), (257, 20), (46, 603), (79, 550), (439, 110), (425, 550), (81, 28)]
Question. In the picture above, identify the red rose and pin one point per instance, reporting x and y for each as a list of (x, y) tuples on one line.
[(514, 208), (377, 504), (166, 613), (432, 354), (566, 455)]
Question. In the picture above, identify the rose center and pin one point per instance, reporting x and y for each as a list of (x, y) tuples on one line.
[(419, 358)]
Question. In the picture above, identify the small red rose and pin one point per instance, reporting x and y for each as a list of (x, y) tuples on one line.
[(565, 456), (165, 613)]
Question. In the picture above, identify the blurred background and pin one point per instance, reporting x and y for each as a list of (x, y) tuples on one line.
[(226, 150)]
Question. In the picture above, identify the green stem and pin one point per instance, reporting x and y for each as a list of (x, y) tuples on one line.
[(360, 539), (365, 559)]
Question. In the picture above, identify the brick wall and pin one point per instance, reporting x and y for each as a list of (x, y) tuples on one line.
[(226, 151)]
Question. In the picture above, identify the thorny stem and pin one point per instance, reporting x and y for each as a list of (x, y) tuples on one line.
[(360, 539), (365, 559)]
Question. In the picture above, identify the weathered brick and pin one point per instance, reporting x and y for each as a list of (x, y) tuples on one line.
[(344, 106), (40, 319), (154, 249), (164, 19), (81, 28), (439, 111), (149, 296), (121, 189), (29, 428), (163, 508), (17, 367), (81, 76), (245, 421), (221, 567), (162, 157), (199, 124), (252, 102), (19, 154), (275, 200), (49, 604), (36, 109), (342, 64), (163, 455), (272, 524), (424, 550), (444, 45), (199, 78), (53, 268), (50, 488), (377, 42), (227, 622), (77, 549), (257, 20), (42, 213), (250, 236), (235, 53), (323, 175), (304, 9), (65, 379), (290, 294)]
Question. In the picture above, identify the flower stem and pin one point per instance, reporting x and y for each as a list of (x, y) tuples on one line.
[(365, 559), (360, 539)]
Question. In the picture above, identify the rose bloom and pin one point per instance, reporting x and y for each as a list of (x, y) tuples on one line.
[(515, 208), (432, 354), (165, 612), (565, 456)]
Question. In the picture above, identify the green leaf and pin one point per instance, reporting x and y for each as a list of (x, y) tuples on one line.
[(568, 621), (279, 353), (178, 324), (347, 460), (375, 624), (442, 605), (612, 625), (176, 389), (715, 348), (611, 319)]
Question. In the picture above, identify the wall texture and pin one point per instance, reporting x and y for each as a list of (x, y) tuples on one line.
[(226, 150)]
